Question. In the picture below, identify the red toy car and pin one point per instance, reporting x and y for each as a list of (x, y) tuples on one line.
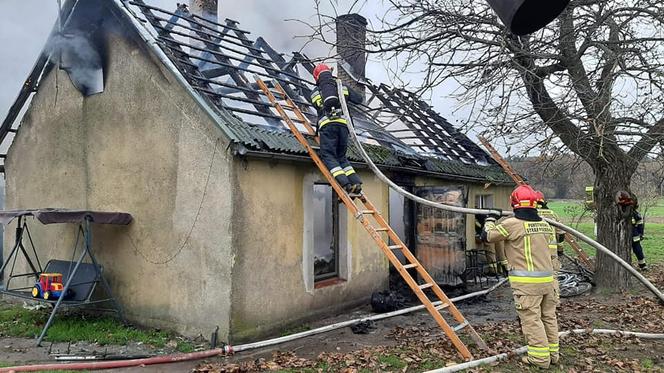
[(49, 286)]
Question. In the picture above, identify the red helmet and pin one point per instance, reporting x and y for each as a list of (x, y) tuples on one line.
[(319, 69), (540, 196), (524, 196)]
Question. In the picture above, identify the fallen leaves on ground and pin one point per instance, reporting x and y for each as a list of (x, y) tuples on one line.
[(424, 347)]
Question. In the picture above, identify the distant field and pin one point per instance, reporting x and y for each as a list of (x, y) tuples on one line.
[(653, 245), (657, 210), (567, 208)]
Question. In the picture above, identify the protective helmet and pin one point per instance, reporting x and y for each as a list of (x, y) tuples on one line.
[(524, 196), (319, 69), (540, 197)]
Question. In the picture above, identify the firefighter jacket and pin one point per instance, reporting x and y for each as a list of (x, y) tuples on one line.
[(326, 101), (560, 234), (637, 227), (527, 248)]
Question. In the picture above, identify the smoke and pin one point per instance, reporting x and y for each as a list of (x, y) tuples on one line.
[(80, 58), (283, 24), (23, 33)]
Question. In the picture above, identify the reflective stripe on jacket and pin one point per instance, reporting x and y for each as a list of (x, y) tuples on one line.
[(554, 246), (318, 100), (528, 248), (637, 226)]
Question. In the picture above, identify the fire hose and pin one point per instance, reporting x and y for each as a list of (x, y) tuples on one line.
[(228, 349), (572, 284), (521, 350), (471, 211)]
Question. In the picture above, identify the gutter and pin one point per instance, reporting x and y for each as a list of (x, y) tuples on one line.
[(416, 171)]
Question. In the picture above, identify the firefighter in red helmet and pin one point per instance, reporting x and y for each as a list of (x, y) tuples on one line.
[(332, 128), (527, 238)]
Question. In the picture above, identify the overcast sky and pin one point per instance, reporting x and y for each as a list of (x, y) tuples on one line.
[(25, 24)]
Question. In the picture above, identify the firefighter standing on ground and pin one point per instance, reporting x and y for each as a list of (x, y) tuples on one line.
[(557, 249), (637, 237), (495, 252), (527, 238), (332, 128)]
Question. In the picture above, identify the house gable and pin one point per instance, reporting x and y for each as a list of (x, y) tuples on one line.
[(146, 147)]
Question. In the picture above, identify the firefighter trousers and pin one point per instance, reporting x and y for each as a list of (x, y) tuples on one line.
[(638, 251), (333, 146), (539, 324)]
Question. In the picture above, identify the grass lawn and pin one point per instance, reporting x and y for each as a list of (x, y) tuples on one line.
[(657, 209), (568, 209), (653, 245), (15, 321)]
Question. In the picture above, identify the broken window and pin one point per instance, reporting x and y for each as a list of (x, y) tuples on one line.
[(484, 201), (441, 235), (326, 232)]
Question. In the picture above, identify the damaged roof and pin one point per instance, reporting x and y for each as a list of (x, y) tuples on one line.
[(218, 61)]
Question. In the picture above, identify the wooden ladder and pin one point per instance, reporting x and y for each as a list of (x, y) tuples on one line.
[(581, 255), (368, 212)]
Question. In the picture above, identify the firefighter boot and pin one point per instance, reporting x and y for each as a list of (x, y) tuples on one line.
[(349, 188), (525, 360), (357, 188)]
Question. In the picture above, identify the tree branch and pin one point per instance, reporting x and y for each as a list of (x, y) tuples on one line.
[(649, 139)]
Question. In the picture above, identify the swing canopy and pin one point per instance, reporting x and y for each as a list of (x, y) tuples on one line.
[(60, 215)]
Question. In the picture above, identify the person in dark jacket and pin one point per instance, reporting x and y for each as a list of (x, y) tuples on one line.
[(332, 128), (637, 237)]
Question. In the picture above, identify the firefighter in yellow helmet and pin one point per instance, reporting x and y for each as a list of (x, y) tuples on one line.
[(527, 238), (495, 252), (544, 211)]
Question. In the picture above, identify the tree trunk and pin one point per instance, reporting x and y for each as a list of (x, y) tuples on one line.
[(614, 225)]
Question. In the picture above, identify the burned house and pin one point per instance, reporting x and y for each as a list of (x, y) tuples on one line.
[(233, 225)]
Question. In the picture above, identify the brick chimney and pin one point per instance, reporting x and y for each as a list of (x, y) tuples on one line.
[(351, 43), (204, 8)]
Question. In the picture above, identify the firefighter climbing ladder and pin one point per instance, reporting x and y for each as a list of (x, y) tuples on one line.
[(369, 212), (519, 180)]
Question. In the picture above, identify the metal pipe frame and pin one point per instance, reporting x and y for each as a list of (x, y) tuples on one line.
[(86, 230)]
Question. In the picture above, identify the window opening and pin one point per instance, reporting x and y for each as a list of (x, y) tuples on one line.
[(326, 232)]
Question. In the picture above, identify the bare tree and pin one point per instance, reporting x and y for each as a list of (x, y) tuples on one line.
[(589, 83)]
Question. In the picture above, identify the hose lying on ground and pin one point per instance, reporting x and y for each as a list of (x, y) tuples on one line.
[(175, 358), (521, 350), (465, 210), (572, 284)]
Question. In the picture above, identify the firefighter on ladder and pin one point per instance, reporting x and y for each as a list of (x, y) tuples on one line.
[(332, 128), (527, 238)]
